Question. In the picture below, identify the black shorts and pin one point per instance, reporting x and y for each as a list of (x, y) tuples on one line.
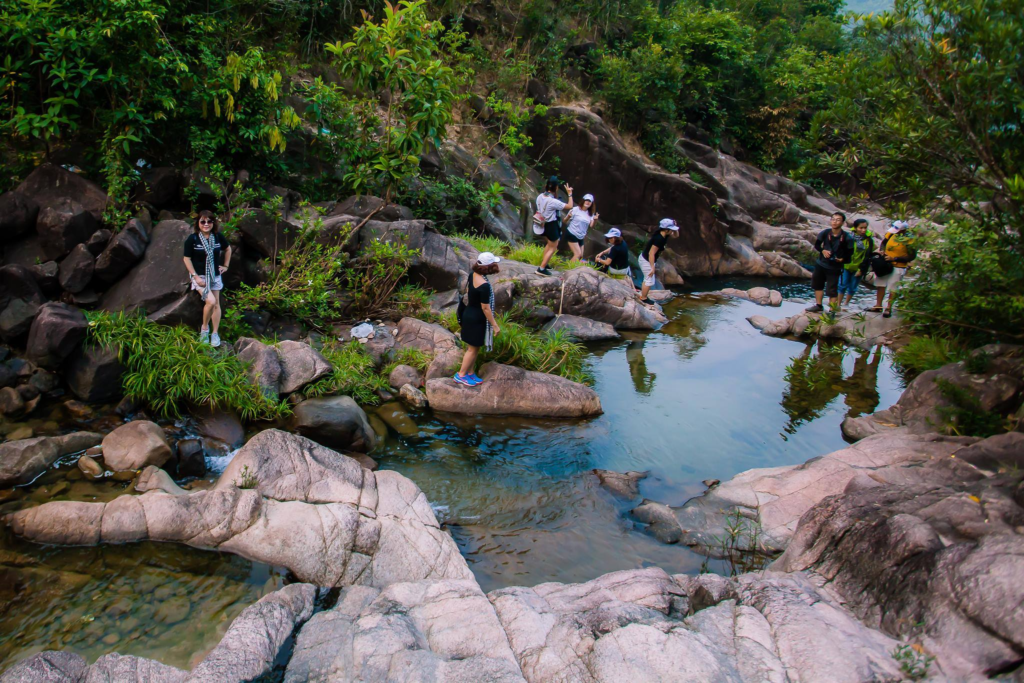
[(553, 231), (826, 279), (573, 239)]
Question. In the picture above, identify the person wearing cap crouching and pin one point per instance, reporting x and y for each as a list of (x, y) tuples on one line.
[(615, 259), (898, 249), (649, 257), (477, 320), (545, 221), (580, 219)]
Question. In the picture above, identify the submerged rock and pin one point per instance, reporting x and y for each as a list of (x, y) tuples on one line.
[(335, 422), (24, 460), (508, 390), (624, 484)]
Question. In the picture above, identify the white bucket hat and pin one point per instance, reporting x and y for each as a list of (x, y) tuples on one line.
[(486, 258), (668, 224)]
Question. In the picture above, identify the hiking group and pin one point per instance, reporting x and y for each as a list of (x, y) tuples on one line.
[(845, 258)]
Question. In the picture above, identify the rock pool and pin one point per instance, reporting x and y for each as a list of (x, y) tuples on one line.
[(705, 397)]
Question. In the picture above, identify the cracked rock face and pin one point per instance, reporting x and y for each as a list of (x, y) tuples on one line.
[(312, 510), (423, 631), (638, 625)]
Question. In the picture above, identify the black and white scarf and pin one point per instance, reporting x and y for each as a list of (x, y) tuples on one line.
[(210, 269), (489, 338)]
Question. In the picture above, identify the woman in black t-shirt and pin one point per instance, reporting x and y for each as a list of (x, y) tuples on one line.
[(615, 259), (207, 257), (477, 320), (649, 257)]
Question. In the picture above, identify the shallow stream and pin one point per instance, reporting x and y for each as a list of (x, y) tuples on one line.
[(705, 397)]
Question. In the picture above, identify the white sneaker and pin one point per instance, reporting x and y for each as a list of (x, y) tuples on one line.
[(214, 340), (204, 336)]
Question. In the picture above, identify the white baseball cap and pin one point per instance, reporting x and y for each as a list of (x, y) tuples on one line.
[(668, 224), (486, 258), (614, 232), (900, 225), (588, 197)]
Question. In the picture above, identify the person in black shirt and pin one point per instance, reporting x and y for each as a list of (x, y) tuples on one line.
[(477, 319), (834, 247), (615, 259), (207, 257), (649, 257)]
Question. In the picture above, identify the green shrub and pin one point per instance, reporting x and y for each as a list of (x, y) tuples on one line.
[(373, 276), (411, 301), (453, 203), (354, 374), (169, 370), (964, 415), (928, 353)]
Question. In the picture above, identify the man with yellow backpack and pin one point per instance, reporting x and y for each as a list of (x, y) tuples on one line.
[(896, 251)]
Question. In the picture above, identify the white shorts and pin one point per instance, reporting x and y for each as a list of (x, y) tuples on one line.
[(215, 286), (648, 272), (619, 271), (892, 280)]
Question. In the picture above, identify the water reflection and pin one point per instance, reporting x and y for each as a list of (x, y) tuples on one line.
[(817, 376), (643, 379)]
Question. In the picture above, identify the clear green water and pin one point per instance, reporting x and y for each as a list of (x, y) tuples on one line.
[(707, 396), (704, 397)]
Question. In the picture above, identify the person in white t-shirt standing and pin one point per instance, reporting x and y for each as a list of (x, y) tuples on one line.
[(548, 206), (580, 219)]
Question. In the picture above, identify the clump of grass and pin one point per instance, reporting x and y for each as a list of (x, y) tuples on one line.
[(411, 300), (412, 357), (249, 480), (531, 253), (168, 369), (494, 245), (552, 352), (928, 353), (913, 663), (978, 362), (354, 374)]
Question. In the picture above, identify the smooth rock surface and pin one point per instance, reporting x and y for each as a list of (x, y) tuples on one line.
[(134, 446), (56, 332), (336, 422), (159, 279), (582, 329), (300, 365), (264, 364), (508, 390), (24, 460)]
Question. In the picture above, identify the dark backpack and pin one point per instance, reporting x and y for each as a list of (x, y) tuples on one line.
[(461, 309), (879, 266)]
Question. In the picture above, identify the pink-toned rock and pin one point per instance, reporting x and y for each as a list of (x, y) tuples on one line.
[(135, 445)]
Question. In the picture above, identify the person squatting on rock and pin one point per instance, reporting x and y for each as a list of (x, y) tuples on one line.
[(477, 319), (207, 258), (615, 259), (834, 248), (579, 220), (649, 257), (855, 269), (546, 221), (898, 249)]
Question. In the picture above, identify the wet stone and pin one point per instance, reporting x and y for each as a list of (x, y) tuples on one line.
[(22, 432), (172, 611), (90, 467), (77, 410)]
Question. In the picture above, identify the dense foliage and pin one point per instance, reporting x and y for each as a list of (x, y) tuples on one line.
[(170, 370), (927, 110)]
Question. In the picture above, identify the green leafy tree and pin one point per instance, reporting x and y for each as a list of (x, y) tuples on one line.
[(400, 65)]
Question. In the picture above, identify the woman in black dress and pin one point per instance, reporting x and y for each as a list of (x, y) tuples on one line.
[(478, 324)]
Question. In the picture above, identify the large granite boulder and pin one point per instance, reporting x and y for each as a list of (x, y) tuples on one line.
[(94, 374), (996, 385), (135, 445), (509, 390), (159, 280), (581, 329), (266, 234), (335, 422), (70, 207), (300, 365), (20, 299), (56, 332), (123, 251), (159, 186), (418, 631), (76, 269), (932, 556), (644, 625), (442, 345), (759, 295), (24, 460), (264, 365), (283, 500), (17, 215)]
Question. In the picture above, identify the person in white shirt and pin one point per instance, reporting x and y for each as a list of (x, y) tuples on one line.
[(580, 219), (548, 206)]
